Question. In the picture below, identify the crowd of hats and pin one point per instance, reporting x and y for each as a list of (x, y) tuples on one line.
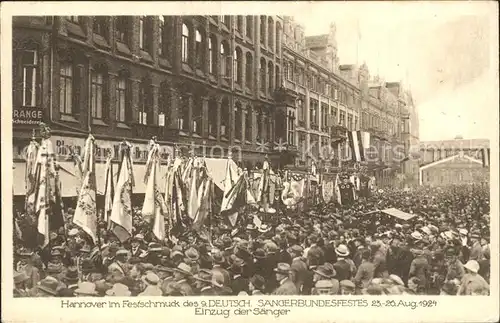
[(446, 222)]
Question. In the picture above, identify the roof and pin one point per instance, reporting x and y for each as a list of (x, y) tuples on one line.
[(455, 144), (445, 160)]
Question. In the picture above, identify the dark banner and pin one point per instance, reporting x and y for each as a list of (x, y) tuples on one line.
[(27, 115)]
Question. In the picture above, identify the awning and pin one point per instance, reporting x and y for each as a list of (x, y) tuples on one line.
[(398, 214), (71, 182)]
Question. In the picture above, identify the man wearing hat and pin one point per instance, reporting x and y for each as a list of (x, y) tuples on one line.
[(218, 266), (454, 268), (205, 283), (271, 250), (326, 272), (55, 267), (120, 264), (119, 290), (342, 267), (286, 285), (366, 271), (238, 283), (420, 268), (25, 265), (472, 283), (151, 281), (476, 251), (191, 258), (323, 287), (181, 274), (136, 249), (71, 278), (257, 285), (20, 279), (46, 287), (347, 287), (298, 269), (86, 289)]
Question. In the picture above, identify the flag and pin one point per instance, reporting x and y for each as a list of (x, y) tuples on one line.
[(121, 212), (153, 208), (193, 203), (337, 190), (48, 201), (31, 171), (356, 145), (485, 154), (227, 199), (205, 191), (86, 208), (109, 189)]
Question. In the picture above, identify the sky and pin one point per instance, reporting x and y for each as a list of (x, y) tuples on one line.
[(443, 52)]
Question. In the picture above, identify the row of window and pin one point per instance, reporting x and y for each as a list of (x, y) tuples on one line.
[(328, 116), (375, 122)]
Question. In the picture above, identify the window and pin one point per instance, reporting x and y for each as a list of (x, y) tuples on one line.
[(262, 74), (185, 43), (100, 26), (163, 105), (270, 33), (263, 29), (313, 113), (121, 102), (238, 127), (161, 35), (289, 71), (66, 89), (142, 32), (269, 120), (225, 60), (30, 63), (97, 83), (198, 116), (122, 28), (277, 77), (249, 70), (349, 121), (249, 27), (248, 124), (183, 113), (324, 116), (238, 66), (212, 56), (270, 75), (291, 128), (199, 49), (239, 25), (300, 71), (300, 110), (342, 118), (278, 38), (225, 20), (224, 120), (145, 113), (260, 131), (212, 118)]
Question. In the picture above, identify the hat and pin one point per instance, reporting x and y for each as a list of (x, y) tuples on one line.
[(450, 252), (346, 283), (326, 271), (324, 283), (398, 226), (138, 237), (71, 274), (183, 268), (373, 290), (426, 230), (259, 254), (86, 288), (282, 268), (342, 250), (218, 257), (22, 252), (20, 277), (237, 265), (295, 249), (472, 265), (251, 227), (122, 252), (204, 275), (271, 247), (55, 252), (396, 279), (475, 234), (264, 228), (73, 232), (463, 231), (151, 278), (192, 254), (48, 285), (416, 235), (118, 289), (258, 281), (175, 253), (154, 247), (85, 248)]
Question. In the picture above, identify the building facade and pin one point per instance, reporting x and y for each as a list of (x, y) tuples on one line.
[(323, 100)]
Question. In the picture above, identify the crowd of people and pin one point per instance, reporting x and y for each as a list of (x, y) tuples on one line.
[(326, 249)]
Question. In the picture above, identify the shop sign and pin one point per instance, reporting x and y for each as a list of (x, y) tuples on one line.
[(27, 115)]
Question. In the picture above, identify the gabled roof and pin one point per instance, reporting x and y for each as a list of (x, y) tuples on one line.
[(447, 159)]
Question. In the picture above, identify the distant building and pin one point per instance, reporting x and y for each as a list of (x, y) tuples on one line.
[(452, 162)]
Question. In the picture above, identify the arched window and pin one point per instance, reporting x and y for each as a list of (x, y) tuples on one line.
[(238, 127), (212, 117), (212, 54), (185, 43), (225, 59), (122, 27), (199, 49), (249, 27), (224, 118), (249, 70), (259, 117), (270, 75), (278, 37), (262, 74), (270, 33), (277, 76), (238, 66), (263, 24)]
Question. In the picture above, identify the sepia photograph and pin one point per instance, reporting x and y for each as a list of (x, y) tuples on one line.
[(308, 153)]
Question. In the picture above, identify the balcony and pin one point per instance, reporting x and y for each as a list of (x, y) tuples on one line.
[(338, 131)]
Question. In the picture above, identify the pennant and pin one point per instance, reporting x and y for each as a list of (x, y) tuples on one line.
[(30, 175), (193, 202), (121, 212), (109, 189)]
